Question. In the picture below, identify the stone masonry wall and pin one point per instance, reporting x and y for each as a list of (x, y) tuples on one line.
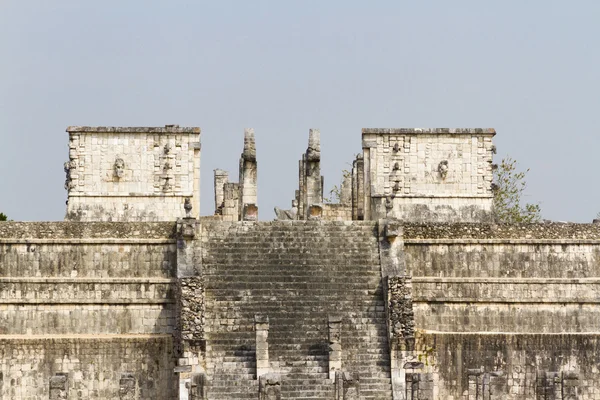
[(428, 174), (521, 278), (132, 174), (506, 311), (507, 366), (95, 367), (93, 300)]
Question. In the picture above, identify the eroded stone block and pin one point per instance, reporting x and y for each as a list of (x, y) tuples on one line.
[(59, 388), (270, 387), (127, 387), (347, 386)]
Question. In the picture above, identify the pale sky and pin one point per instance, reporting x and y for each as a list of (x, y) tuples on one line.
[(531, 70)]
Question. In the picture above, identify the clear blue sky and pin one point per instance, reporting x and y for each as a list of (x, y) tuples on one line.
[(529, 69)]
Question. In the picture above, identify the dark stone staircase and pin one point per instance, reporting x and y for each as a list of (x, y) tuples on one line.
[(297, 273)]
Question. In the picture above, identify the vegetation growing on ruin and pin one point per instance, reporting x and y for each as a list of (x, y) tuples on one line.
[(508, 187)]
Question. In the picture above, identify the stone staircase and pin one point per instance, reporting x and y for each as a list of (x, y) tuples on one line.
[(298, 274)]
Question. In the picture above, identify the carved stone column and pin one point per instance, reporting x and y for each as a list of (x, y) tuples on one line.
[(269, 387), (231, 202), (347, 386), (197, 387), (248, 178), (335, 345), (261, 326), (127, 387), (221, 178), (570, 385), (59, 386), (312, 163), (358, 192), (419, 386)]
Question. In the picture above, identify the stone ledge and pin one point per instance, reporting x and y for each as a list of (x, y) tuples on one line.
[(426, 332), (114, 281), (562, 232), (107, 194), (434, 196), (131, 129), (501, 300), (429, 131), (86, 337), (70, 241), (86, 301), (87, 230), (501, 241), (512, 281)]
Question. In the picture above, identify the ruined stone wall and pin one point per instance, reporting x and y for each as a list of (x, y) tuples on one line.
[(337, 212), (508, 366), (132, 174), (505, 278), (105, 367), (505, 311), (428, 174), (92, 300)]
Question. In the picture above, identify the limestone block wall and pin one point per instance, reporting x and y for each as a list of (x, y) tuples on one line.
[(132, 174), (93, 300), (507, 366), (337, 212), (428, 174), (94, 367), (527, 278)]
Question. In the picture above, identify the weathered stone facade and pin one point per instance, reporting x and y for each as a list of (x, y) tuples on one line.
[(404, 289), (132, 174)]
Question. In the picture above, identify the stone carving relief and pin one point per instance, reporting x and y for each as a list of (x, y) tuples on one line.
[(69, 166), (127, 387), (59, 388), (187, 206), (270, 387), (443, 169), (290, 214), (400, 309), (347, 386), (119, 168)]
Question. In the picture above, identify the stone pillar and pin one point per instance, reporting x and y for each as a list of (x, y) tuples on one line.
[(127, 387), (335, 345), (570, 385), (269, 387), (347, 386), (498, 387), (248, 178), (231, 194), (552, 386), (312, 164), (261, 326), (198, 387), (196, 185), (301, 194), (221, 178), (398, 295), (419, 386), (475, 379), (346, 189), (391, 248), (188, 262), (358, 192), (59, 386)]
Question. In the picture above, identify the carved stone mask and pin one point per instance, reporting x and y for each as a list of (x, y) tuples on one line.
[(119, 167), (443, 169)]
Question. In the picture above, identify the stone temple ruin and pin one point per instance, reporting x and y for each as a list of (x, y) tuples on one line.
[(404, 289)]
